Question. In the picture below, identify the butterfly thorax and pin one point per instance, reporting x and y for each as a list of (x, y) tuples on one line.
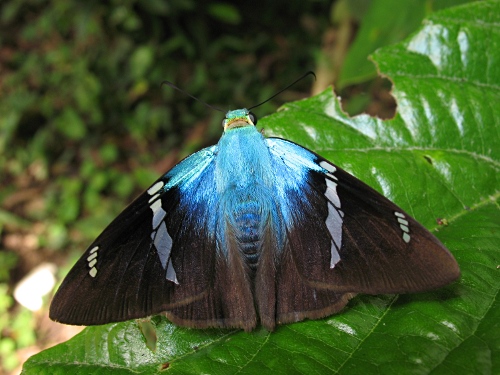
[(244, 185)]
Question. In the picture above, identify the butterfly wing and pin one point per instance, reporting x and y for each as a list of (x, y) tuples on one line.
[(159, 254), (343, 237)]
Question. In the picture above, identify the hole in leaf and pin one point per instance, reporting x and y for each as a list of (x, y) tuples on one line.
[(372, 97)]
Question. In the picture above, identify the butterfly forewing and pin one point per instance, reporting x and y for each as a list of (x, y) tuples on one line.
[(157, 254), (380, 248)]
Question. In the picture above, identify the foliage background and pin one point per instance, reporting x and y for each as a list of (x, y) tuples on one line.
[(85, 125)]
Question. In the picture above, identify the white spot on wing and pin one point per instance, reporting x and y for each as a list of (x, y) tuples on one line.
[(91, 257), (171, 273), (402, 221), (334, 225), (156, 205), (403, 225), (158, 216), (163, 244), (155, 188), (330, 168), (331, 193), (334, 219), (162, 240), (92, 260), (93, 272)]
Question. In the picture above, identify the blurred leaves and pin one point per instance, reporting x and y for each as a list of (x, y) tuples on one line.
[(225, 12), (82, 107), (384, 22), (360, 27)]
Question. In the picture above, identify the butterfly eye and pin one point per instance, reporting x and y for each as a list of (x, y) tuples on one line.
[(253, 118)]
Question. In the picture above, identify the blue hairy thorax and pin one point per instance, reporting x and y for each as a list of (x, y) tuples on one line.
[(245, 184)]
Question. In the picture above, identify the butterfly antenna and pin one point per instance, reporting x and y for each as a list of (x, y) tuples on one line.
[(286, 88), (168, 83)]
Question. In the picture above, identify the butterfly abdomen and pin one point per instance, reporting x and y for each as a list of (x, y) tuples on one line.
[(248, 223), (245, 187), (246, 217)]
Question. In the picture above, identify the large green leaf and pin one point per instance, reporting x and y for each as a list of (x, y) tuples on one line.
[(438, 159)]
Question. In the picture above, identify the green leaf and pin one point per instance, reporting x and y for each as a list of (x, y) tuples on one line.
[(385, 22), (141, 60), (227, 13), (438, 158), (70, 124)]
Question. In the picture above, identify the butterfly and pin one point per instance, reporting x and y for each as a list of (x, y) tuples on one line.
[(251, 230)]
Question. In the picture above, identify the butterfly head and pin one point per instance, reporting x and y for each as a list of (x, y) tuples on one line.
[(239, 118)]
